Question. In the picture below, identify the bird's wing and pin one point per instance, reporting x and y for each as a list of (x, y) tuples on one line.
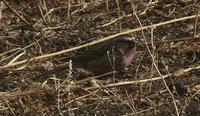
[(93, 52)]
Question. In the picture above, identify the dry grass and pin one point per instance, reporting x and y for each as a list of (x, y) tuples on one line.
[(38, 36)]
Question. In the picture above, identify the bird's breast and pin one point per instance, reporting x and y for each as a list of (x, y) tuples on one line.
[(128, 57)]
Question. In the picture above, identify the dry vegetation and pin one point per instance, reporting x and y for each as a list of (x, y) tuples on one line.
[(40, 35)]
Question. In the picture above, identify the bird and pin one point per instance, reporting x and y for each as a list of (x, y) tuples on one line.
[(112, 55)]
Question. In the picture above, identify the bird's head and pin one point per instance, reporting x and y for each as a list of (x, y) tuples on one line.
[(126, 46)]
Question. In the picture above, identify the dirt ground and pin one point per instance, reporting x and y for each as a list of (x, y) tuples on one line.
[(163, 79)]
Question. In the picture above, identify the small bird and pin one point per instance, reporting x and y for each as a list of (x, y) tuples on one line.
[(112, 55)]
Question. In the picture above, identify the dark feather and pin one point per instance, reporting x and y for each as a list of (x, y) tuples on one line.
[(110, 55)]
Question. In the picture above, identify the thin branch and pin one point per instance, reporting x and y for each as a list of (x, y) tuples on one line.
[(125, 83), (19, 16), (95, 42)]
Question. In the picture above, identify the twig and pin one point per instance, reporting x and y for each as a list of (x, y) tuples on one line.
[(125, 83), (95, 42), (17, 57), (196, 22), (13, 95), (19, 16), (69, 9), (153, 60), (118, 9), (45, 8), (40, 9), (115, 20), (95, 77), (8, 105), (1, 8), (9, 51)]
